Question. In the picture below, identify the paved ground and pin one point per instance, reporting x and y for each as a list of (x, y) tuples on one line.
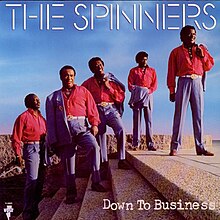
[(188, 156)]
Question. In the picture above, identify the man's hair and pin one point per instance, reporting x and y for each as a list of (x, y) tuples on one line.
[(67, 67), (28, 100), (140, 55), (185, 30), (92, 62)]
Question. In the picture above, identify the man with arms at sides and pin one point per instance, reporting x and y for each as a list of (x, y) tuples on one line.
[(108, 93), (142, 82), (188, 62), (67, 110), (28, 132)]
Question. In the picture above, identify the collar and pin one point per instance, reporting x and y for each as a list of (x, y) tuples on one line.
[(70, 89), (32, 112), (142, 67)]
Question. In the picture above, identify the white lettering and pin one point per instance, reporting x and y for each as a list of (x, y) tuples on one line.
[(142, 205)]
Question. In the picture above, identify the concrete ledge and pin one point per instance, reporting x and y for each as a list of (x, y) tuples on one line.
[(135, 196), (180, 183), (161, 142)]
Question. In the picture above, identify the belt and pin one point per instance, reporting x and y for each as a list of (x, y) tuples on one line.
[(70, 117), (192, 76), (31, 142), (104, 104)]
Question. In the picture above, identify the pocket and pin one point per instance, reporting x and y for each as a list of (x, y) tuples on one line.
[(30, 149), (77, 127)]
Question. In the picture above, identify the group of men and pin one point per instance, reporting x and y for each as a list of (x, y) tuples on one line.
[(98, 102)]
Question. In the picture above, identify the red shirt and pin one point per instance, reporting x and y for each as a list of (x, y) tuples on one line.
[(146, 78), (29, 126), (81, 103), (101, 94), (180, 64)]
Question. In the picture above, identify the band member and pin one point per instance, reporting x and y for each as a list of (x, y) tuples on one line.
[(67, 111), (142, 82), (188, 62), (108, 93), (28, 133)]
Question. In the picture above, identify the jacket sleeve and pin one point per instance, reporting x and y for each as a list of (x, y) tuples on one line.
[(208, 61), (51, 121), (154, 82), (117, 93), (171, 74), (92, 111), (130, 80), (17, 135)]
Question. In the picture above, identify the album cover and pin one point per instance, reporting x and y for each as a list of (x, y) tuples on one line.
[(37, 38)]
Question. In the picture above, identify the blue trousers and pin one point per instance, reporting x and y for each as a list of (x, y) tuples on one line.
[(80, 136), (137, 114), (109, 116), (35, 170), (188, 91)]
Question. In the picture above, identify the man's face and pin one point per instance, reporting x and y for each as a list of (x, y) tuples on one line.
[(189, 38), (143, 62), (98, 68), (67, 78), (35, 102)]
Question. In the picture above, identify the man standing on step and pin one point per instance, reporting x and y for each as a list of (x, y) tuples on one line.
[(67, 111), (188, 62), (28, 136), (109, 94), (142, 82)]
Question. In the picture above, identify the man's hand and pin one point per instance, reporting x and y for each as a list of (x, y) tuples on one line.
[(19, 161), (94, 130), (172, 97), (199, 52)]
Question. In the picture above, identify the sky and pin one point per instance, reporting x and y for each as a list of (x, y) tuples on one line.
[(33, 49)]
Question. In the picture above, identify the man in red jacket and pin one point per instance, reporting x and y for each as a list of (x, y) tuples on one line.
[(188, 62), (29, 130), (68, 111), (108, 93), (142, 82)]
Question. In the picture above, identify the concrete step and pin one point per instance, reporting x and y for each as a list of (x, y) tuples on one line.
[(191, 191), (48, 206), (55, 208), (135, 197), (71, 211), (92, 205)]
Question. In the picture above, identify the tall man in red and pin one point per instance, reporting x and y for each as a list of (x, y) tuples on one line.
[(108, 94), (29, 130), (142, 82), (67, 111), (188, 62)]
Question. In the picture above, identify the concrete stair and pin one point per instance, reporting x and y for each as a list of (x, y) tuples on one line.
[(157, 187), (71, 211), (92, 205), (134, 196), (182, 183)]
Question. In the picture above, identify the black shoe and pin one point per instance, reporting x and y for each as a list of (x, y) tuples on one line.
[(122, 164), (205, 153), (98, 187), (152, 149), (70, 199)]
